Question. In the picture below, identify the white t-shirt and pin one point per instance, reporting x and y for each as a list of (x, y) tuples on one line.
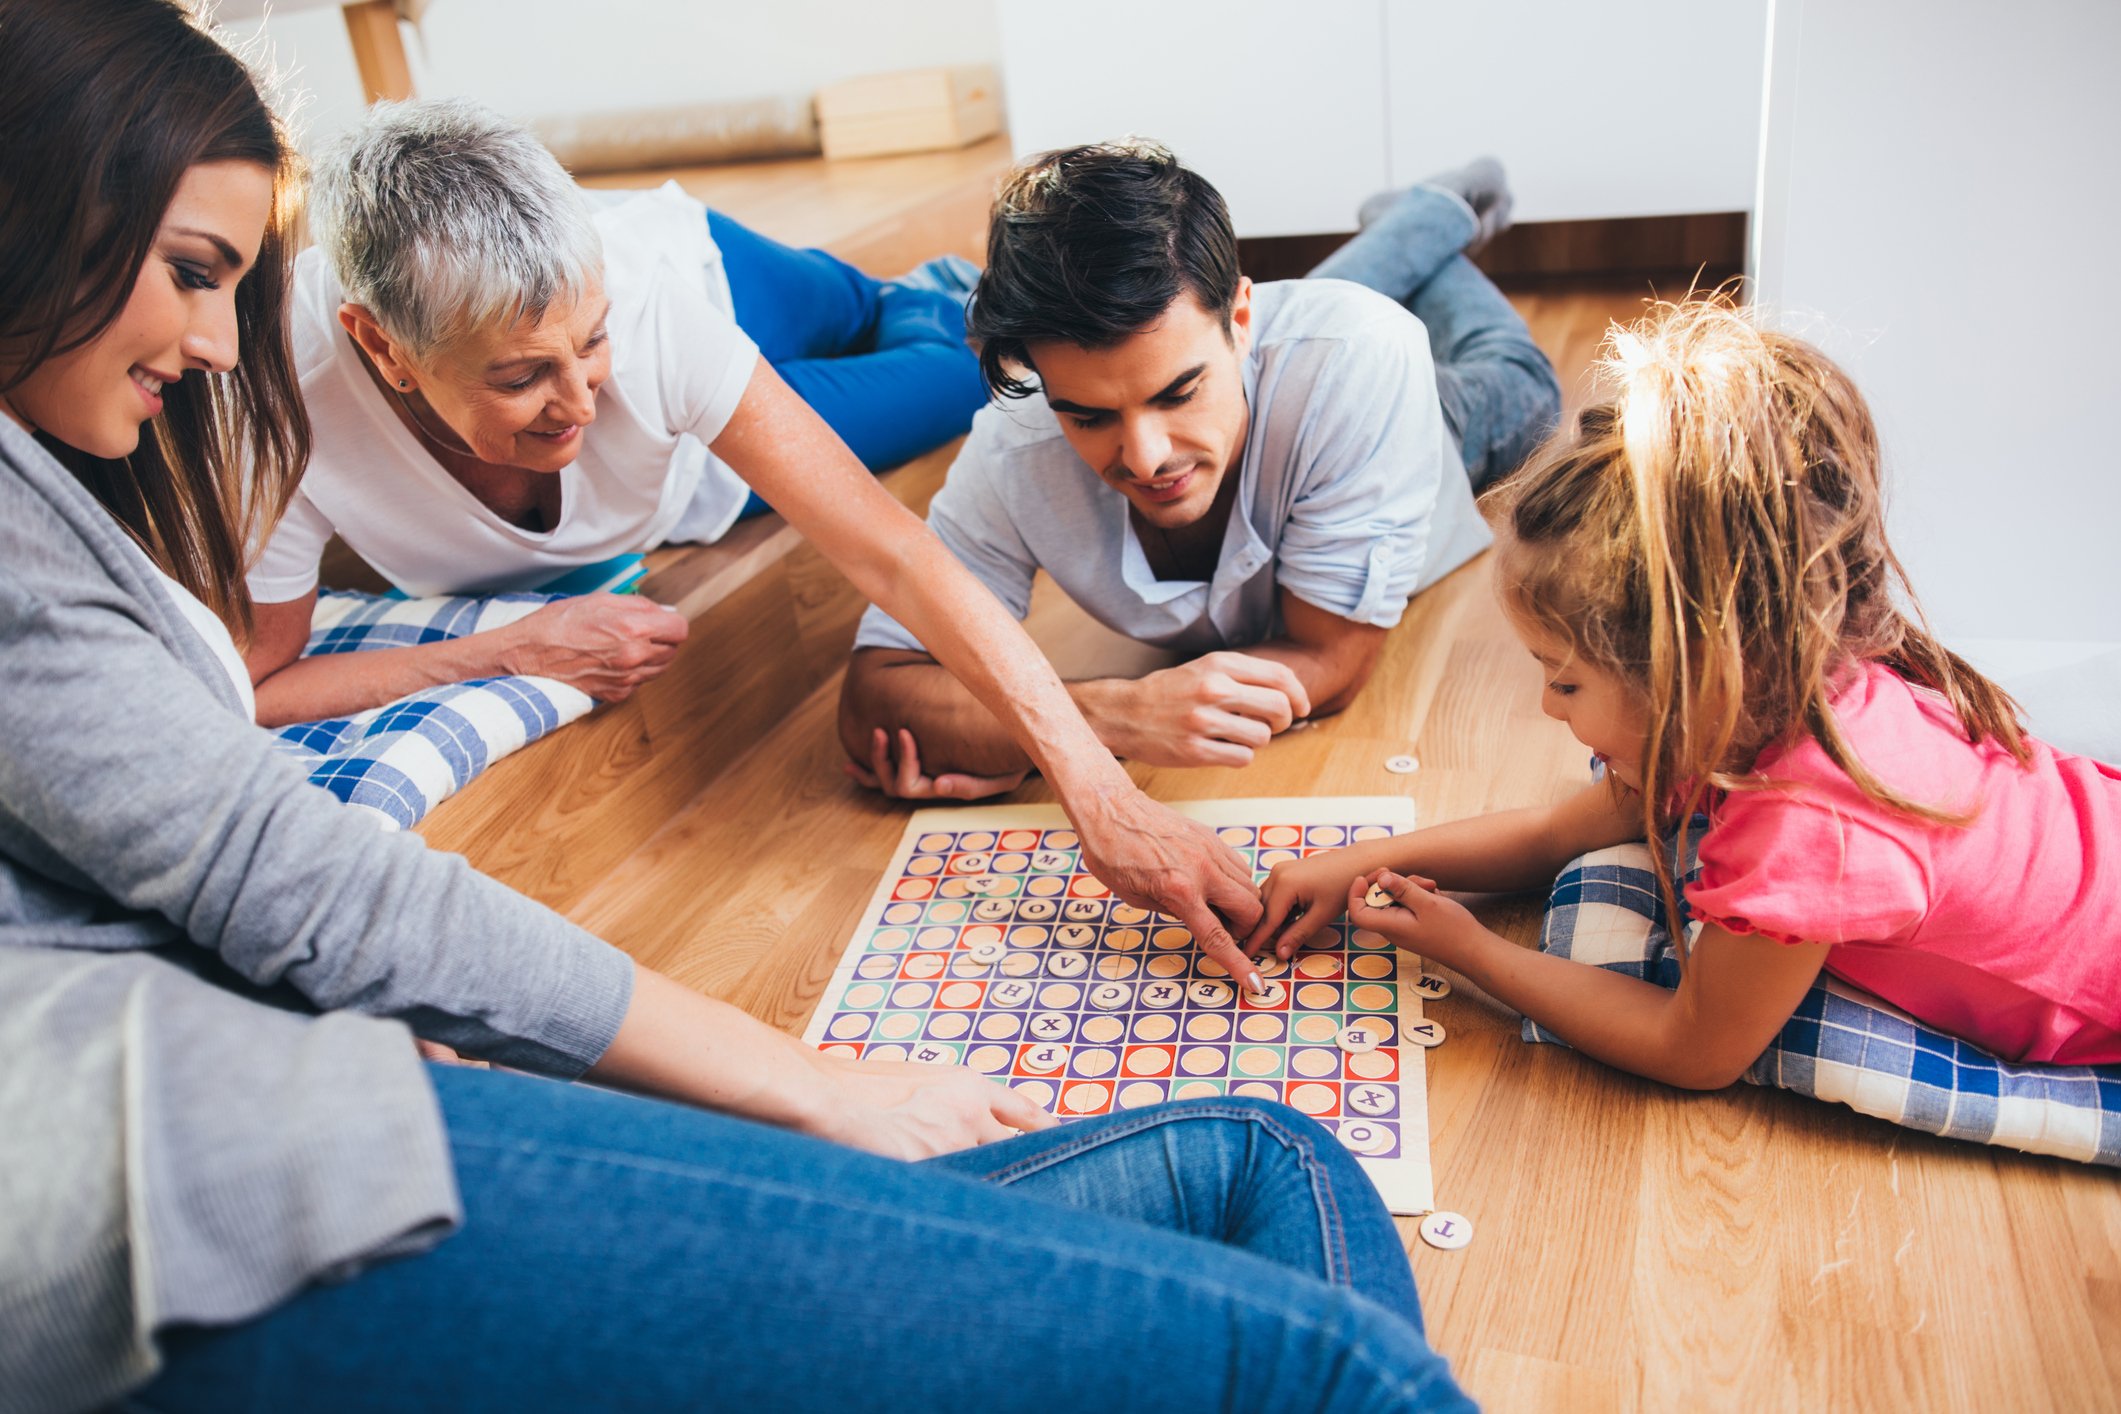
[(679, 368), (219, 641), (1351, 494)]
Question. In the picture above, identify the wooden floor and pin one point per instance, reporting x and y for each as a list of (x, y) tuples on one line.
[(1636, 1248), (884, 214)]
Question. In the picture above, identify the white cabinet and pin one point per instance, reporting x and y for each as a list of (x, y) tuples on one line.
[(1298, 112), (1597, 107)]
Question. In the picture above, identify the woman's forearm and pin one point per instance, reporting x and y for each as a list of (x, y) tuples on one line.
[(941, 603), (680, 1045), (909, 572), (797, 463), (335, 684)]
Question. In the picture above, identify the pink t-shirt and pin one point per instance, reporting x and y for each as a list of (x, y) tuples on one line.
[(2006, 931)]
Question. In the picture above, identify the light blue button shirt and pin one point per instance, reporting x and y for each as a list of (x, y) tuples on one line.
[(1351, 494)]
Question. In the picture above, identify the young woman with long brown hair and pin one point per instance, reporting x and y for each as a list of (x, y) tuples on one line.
[(227, 1181)]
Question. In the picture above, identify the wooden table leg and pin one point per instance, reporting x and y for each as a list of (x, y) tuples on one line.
[(379, 49)]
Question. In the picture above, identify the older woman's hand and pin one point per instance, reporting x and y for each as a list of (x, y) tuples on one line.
[(605, 644), (1155, 858)]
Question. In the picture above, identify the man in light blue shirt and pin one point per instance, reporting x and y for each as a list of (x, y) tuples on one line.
[(1255, 477)]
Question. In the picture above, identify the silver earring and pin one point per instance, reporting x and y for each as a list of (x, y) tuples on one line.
[(404, 383)]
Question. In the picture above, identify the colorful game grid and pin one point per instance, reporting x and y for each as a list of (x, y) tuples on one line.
[(987, 945)]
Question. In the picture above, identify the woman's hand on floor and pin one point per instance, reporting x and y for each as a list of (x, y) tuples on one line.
[(607, 645), (907, 1111)]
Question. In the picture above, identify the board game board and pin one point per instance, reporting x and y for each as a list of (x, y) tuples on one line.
[(988, 945)]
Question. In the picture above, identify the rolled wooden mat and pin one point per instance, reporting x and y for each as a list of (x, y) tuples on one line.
[(680, 135)]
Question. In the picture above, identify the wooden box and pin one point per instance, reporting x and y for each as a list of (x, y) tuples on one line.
[(916, 110)]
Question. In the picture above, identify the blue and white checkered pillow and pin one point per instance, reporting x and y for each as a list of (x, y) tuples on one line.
[(1843, 1044), (401, 760)]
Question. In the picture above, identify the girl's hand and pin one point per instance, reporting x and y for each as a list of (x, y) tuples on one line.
[(907, 1111), (1303, 897), (1419, 919)]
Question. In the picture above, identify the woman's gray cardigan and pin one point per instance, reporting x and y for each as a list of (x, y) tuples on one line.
[(175, 1146)]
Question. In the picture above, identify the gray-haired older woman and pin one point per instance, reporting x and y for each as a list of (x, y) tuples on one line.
[(510, 385), (504, 385)]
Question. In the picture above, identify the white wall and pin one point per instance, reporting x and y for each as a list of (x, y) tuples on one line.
[(531, 58), (1937, 205)]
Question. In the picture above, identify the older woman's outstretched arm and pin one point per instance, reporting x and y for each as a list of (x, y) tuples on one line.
[(1146, 852)]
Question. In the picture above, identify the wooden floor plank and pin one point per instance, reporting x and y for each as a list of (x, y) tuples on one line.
[(1525, 1384)]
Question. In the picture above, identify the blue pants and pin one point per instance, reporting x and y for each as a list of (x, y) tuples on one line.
[(885, 366), (1499, 393), (620, 1254)]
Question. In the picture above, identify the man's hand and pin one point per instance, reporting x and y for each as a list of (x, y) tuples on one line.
[(1155, 858), (607, 645), (1214, 711), (899, 775)]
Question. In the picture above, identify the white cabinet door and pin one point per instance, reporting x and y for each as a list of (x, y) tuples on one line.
[(1281, 106), (1597, 107), (1939, 200)]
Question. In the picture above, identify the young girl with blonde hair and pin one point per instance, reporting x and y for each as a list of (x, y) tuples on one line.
[(1701, 569)]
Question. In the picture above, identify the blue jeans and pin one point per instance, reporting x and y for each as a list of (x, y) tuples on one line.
[(885, 366), (620, 1253), (1499, 393)]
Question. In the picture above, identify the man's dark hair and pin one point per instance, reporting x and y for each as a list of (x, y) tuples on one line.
[(1091, 245)]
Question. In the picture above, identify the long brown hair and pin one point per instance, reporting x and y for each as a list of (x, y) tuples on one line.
[(105, 105), (1714, 536)]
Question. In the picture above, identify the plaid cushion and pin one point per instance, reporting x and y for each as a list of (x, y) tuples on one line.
[(401, 760), (1842, 1044)]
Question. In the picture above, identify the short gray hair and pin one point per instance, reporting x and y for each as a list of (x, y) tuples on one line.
[(439, 216)]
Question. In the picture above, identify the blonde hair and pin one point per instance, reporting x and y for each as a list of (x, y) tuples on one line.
[(1714, 536)]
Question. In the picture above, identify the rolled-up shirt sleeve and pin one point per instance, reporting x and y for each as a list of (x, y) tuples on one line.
[(1374, 455), (968, 515)]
